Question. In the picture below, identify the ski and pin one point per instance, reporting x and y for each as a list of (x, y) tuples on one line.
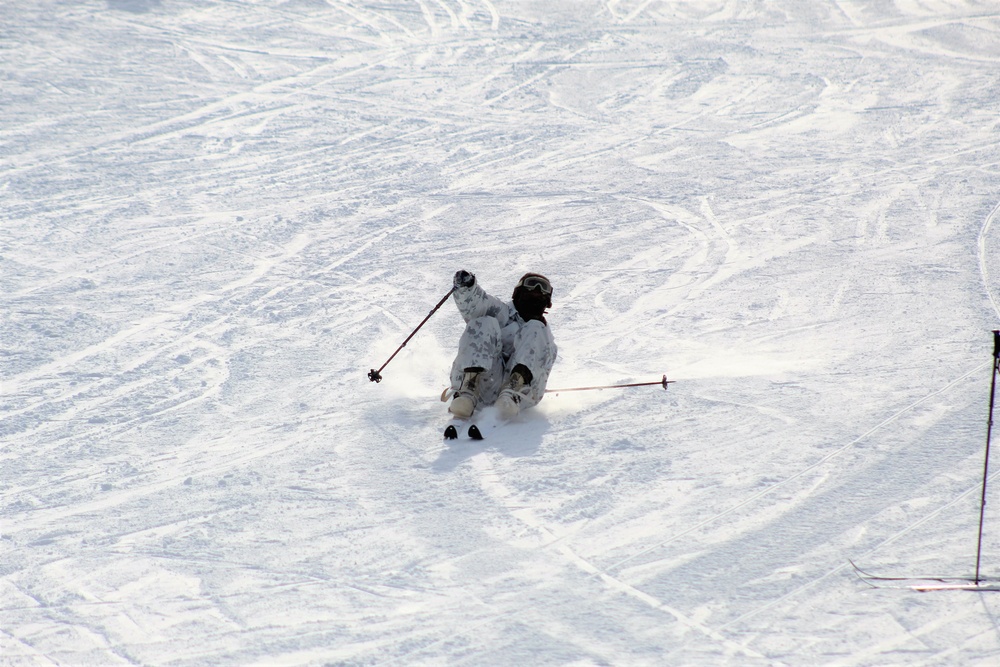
[(925, 583), (462, 429), (482, 429), (944, 579), (980, 587), (478, 428), (473, 432)]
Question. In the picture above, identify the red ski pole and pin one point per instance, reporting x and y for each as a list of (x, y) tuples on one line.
[(663, 383), (376, 375)]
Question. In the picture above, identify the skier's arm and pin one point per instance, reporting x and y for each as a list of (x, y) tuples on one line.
[(473, 301)]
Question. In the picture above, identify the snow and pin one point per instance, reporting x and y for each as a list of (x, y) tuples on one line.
[(218, 216)]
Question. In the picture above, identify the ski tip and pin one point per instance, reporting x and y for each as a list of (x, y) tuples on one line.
[(451, 433), (475, 433)]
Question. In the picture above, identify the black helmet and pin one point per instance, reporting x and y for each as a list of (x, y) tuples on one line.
[(532, 295)]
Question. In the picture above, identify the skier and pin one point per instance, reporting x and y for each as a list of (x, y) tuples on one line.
[(506, 352)]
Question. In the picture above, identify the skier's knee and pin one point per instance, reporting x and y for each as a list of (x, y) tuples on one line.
[(524, 372)]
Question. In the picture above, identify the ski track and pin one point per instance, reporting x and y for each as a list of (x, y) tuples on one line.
[(217, 218)]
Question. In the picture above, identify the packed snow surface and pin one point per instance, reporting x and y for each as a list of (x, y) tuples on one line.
[(216, 216)]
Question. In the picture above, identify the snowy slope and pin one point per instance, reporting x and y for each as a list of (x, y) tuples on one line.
[(216, 217)]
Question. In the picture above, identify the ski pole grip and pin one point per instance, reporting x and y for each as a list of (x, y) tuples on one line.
[(996, 343)]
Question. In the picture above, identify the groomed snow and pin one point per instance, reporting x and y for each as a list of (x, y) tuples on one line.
[(216, 216)]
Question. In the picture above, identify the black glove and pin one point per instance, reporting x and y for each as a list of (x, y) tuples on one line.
[(464, 279)]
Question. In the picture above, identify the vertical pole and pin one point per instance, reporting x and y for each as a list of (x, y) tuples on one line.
[(989, 433)]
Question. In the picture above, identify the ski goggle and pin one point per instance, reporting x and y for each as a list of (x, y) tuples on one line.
[(539, 283)]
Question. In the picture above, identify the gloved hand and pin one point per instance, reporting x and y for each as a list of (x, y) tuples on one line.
[(464, 279)]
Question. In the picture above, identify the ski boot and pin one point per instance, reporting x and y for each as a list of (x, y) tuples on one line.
[(516, 388), (464, 402)]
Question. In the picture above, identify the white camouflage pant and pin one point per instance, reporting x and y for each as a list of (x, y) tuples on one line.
[(485, 345)]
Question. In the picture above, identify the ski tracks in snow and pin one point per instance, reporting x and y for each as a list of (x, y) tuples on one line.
[(611, 575), (492, 483), (286, 185), (987, 250), (138, 335)]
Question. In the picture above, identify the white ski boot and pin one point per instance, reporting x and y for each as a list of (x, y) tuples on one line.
[(517, 386), (464, 402)]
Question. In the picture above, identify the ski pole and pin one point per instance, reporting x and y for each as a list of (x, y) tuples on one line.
[(376, 375), (989, 433), (663, 383)]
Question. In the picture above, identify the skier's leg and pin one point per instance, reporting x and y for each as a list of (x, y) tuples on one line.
[(478, 367), (530, 365)]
